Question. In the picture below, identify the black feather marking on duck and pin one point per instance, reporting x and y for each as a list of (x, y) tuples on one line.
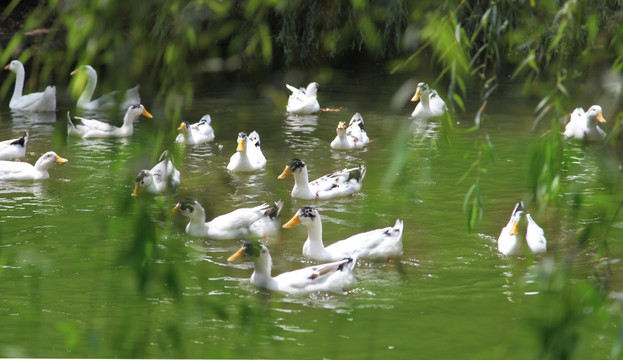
[(21, 141), (274, 211), (354, 174), (308, 212), (242, 134), (141, 175), (347, 260), (295, 164), (187, 205)]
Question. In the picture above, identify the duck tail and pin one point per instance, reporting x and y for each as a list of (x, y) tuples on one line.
[(274, 211), (71, 127)]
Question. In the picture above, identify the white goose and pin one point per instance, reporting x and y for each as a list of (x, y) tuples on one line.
[(248, 156), (17, 170), (39, 101), (352, 137), (236, 224), (156, 180), (382, 243), (334, 277), (430, 105), (107, 101), (303, 101), (583, 125), (508, 242), (339, 183), (197, 133), (98, 129), (15, 148)]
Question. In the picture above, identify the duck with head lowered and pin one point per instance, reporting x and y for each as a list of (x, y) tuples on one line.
[(156, 180), (336, 277), (339, 183), (15, 148), (38, 101), (303, 101), (89, 128), (259, 221)]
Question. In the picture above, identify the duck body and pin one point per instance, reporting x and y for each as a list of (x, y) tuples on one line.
[(107, 101), (89, 128), (39, 101), (339, 183), (382, 243), (236, 224), (15, 148), (248, 156), (352, 137), (197, 133), (535, 236), (16, 170), (334, 277), (156, 180), (508, 241), (583, 125), (303, 101), (430, 105)]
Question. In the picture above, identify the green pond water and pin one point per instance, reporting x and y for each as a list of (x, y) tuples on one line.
[(86, 270)]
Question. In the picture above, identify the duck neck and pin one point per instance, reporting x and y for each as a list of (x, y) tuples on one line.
[(128, 120), (197, 217), (314, 237), (425, 100), (89, 89), (19, 82), (301, 182)]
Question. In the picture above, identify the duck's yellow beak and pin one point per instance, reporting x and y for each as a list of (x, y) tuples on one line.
[(417, 94), (176, 209), (60, 160), (240, 145), (600, 118), (296, 219), (182, 126), (8, 67), (340, 126), (285, 173), (237, 255), (515, 228), (146, 113), (74, 72), (137, 190)]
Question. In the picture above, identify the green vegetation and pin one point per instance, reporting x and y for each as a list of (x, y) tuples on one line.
[(547, 47)]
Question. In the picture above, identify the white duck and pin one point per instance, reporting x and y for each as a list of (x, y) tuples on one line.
[(107, 101), (15, 148), (236, 224), (352, 137), (535, 236), (508, 242), (98, 129), (156, 180), (382, 243), (303, 101), (17, 170), (339, 183), (248, 155), (197, 133), (430, 105), (583, 125), (39, 101), (334, 277)]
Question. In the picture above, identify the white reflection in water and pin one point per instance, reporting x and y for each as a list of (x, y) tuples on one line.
[(297, 131)]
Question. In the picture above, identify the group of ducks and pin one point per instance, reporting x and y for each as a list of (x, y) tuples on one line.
[(262, 221)]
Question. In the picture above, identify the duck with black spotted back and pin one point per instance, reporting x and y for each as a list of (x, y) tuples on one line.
[(335, 277), (339, 183)]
